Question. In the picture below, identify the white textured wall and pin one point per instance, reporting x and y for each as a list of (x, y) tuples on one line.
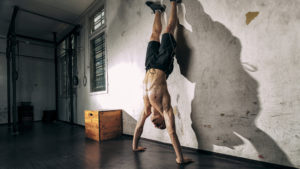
[(36, 79), (236, 87)]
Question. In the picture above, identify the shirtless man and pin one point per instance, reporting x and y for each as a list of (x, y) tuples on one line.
[(159, 65)]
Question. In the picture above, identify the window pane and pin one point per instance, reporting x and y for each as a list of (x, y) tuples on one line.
[(97, 20), (98, 56), (98, 17)]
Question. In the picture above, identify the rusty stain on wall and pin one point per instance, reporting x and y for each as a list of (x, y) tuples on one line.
[(207, 125), (250, 16), (175, 110)]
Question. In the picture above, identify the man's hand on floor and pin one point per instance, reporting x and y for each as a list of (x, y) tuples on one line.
[(184, 161), (139, 149)]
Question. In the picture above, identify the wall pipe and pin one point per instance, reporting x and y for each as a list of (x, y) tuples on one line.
[(8, 81), (75, 71), (56, 74), (14, 83), (11, 53), (70, 72)]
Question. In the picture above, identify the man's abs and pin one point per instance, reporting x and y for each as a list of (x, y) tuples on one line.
[(155, 78)]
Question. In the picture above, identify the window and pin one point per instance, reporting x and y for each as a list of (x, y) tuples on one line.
[(98, 20), (98, 53)]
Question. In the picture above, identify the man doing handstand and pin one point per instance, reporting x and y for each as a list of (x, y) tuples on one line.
[(159, 65)]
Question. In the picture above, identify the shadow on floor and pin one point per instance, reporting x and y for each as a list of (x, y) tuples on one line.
[(63, 146)]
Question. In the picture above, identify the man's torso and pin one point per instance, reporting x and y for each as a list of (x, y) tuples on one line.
[(155, 79)]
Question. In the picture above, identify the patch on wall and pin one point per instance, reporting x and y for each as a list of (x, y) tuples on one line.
[(182, 17), (250, 16), (249, 67)]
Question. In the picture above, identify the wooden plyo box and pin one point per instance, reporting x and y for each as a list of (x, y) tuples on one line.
[(103, 125)]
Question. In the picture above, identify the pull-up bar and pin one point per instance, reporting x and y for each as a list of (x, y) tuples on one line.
[(48, 17), (35, 39)]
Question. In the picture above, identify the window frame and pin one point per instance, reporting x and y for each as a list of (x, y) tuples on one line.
[(92, 36)]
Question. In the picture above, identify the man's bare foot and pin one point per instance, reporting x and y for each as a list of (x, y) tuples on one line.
[(139, 149), (184, 161)]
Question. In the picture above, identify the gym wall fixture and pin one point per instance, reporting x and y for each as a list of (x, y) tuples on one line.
[(11, 53)]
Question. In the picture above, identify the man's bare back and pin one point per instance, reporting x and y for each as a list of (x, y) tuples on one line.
[(156, 95)]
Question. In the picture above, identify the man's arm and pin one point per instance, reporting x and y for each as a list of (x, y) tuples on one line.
[(170, 124), (138, 132)]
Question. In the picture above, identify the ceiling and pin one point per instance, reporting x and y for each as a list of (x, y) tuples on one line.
[(39, 27)]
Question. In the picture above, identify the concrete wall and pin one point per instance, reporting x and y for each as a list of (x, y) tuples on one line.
[(235, 86), (36, 79)]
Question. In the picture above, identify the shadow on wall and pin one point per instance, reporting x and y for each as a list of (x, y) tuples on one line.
[(226, 100), (129, 122)]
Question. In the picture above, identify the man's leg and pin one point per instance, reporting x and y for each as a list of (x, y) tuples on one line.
[(173, 19), (157, 27), (154, 44)]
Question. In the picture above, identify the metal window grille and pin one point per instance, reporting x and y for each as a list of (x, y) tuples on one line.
[(98, 55), (98, 20)]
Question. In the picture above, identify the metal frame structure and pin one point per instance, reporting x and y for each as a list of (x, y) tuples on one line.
[(11, 62)]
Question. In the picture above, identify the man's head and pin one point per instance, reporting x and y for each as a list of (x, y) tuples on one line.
[(158, 121)]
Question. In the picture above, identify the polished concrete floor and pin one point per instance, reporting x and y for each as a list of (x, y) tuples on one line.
[(62, 146)]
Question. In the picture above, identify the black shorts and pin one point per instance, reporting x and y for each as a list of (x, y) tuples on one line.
[(161, 56)]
